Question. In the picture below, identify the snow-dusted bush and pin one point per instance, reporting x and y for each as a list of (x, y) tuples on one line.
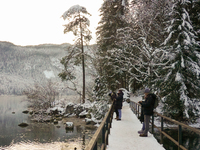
[(93, 110), (99, 109), (41, 96)]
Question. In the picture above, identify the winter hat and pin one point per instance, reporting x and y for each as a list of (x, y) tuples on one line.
[(120, 91), (146, 90)]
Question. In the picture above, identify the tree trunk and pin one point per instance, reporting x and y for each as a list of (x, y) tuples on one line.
[(83, 63), (83, 66)]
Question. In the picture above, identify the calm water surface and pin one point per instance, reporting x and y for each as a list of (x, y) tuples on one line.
[(36, 135), (191, 140)]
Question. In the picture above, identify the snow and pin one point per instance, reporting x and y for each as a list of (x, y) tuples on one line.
[(187, 40), (59, 108), (69, 124), (168, 38), (124, 136), (83, 113), (182, 62), (49, 74), (74, 9), (178, 77), (123, 3)]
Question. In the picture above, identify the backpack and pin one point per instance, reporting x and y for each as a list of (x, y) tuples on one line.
[(156, 100)]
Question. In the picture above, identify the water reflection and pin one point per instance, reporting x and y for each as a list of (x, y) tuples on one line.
[(191, 140), (46, 146), (35, 135)]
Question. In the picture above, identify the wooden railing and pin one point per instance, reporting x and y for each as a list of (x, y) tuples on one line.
[(136, 108), (102, 132)]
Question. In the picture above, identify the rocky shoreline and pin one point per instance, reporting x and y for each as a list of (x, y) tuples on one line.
[(87, 115)]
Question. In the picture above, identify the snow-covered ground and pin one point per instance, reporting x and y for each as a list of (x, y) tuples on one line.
[(124, 134)]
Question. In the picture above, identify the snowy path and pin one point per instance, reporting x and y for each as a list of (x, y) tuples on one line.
[(124, 136)]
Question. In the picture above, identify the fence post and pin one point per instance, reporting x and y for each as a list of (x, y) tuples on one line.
[(161, 130), (95, 147), (152, 124), (135, 111), (131, 105), (138, 111), (107, 130), (103, 135), (179, 136)]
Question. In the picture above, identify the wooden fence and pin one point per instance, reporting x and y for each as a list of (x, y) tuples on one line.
[(102, 132), (136, 108)]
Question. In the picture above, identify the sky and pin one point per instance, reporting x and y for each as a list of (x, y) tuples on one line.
[(34, 22)]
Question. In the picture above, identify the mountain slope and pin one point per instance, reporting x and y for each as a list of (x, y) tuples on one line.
[(22, 66)]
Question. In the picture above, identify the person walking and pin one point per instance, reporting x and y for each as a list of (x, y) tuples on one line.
[(119, 101), (148, 106)]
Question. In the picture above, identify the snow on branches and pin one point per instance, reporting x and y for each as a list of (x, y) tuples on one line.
[(73, 10)]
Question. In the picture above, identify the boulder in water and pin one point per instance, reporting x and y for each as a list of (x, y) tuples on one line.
[(25, 111), (69, 125), (23, 124)]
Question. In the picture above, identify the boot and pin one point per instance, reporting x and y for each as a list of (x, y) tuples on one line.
[(143, 135), (141, 131)]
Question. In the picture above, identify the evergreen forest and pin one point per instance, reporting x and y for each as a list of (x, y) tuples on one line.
[(155, 44)]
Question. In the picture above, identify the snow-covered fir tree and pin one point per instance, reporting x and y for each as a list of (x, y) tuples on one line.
[(112, 19), (100, 88), (195, 16), (180, 84), (137, 54), (148, 17)]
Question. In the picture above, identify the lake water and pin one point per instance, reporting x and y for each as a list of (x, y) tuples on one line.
[(37, 135), (191, 140)]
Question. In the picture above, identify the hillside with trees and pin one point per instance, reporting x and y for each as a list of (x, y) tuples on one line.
[(21, 67)]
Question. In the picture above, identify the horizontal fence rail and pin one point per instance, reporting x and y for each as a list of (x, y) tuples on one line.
[(136, 108), (102, 132)]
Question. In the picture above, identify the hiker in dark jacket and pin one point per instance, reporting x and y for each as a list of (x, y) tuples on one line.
[(148, 106), (119, 100), (113, 98)]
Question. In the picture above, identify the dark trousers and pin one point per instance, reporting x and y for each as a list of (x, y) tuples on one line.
[(117, 113), (146, 123), (120, 113)]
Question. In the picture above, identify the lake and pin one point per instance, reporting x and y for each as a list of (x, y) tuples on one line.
[(37, 135), (191, 140)]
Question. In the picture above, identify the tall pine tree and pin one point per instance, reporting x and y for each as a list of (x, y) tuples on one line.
[(180, 86), (78, 24), (112, 13)]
